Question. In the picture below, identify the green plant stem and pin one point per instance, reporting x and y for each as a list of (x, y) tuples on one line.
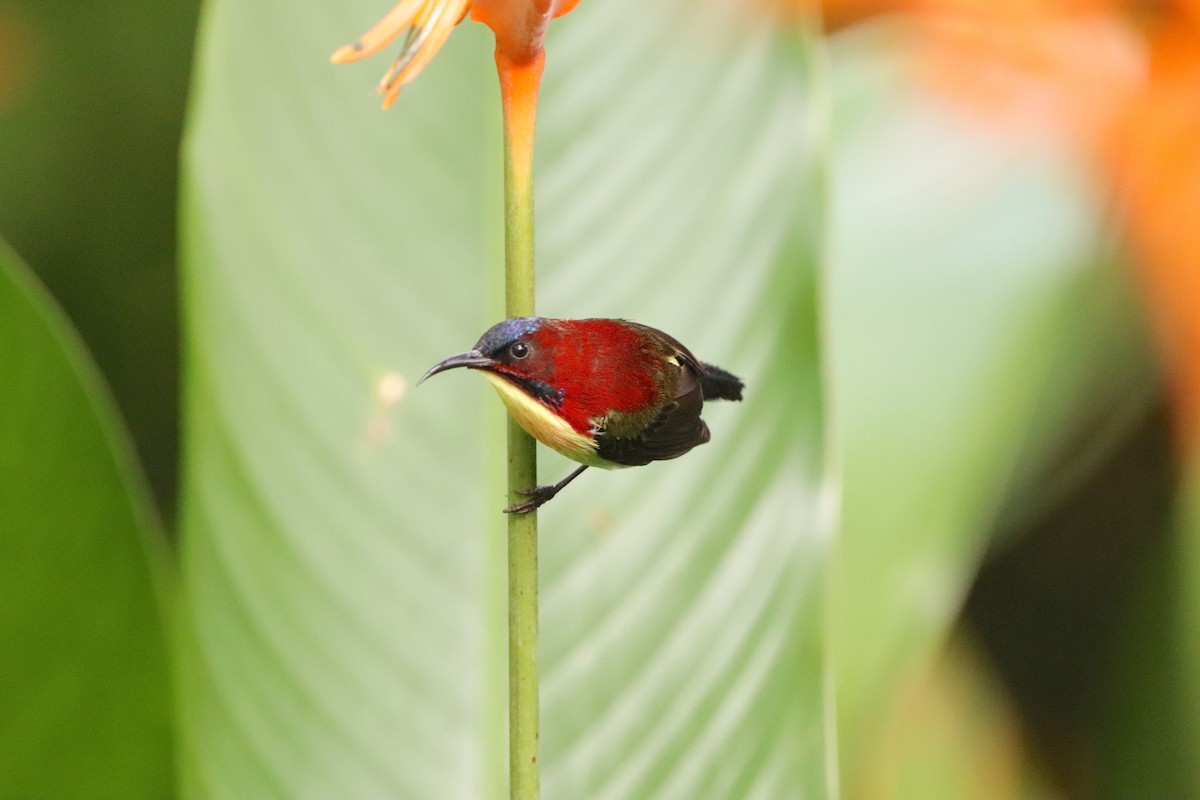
[(518, 90)]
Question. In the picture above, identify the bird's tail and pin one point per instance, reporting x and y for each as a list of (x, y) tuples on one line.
[(717, 384)]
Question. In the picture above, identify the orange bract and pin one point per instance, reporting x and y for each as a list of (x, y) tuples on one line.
[(1030, 67), (1153, 158), (519, 27)]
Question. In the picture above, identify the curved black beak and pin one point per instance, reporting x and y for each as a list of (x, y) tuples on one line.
[(471, 358)]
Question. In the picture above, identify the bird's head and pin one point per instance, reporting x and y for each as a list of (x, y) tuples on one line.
[(580, 370), (519, 350)]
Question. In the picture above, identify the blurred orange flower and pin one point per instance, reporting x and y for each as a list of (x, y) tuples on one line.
[(519, 26), (1122, 79), (1152, 158)]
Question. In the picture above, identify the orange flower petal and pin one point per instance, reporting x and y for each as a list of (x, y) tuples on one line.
[(430, 30), (1155, 160), (381, 34), (519, 25), (1038, 70)]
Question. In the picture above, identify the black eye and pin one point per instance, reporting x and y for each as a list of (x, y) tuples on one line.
[(518, 350)]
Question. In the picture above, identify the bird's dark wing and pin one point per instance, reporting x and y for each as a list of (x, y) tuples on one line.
[(715, 383), (676, 429)]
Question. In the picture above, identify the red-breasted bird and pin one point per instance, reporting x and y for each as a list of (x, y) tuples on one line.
[(603, 392)]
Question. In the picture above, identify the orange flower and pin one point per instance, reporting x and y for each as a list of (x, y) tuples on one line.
[(1153, 159), (519, 26)]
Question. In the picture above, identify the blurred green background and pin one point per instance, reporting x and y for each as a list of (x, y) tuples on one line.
[(1066, 673), (92, 96)]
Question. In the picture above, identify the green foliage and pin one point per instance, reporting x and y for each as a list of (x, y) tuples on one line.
[(931, 316), (92, 94), (83, 661), (343, 557), (976, 317)]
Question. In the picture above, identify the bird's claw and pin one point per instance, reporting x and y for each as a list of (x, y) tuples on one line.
[(537, 496)]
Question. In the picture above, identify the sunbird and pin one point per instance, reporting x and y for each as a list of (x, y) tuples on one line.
[(604, 392)]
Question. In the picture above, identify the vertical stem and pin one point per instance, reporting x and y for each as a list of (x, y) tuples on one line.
[(518, 93)]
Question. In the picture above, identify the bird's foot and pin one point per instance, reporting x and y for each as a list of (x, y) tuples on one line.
[(537, 496)]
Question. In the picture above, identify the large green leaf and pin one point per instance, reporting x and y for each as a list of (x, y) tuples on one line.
[(84, 691), (979, 321), (344, 551), (89, 187)]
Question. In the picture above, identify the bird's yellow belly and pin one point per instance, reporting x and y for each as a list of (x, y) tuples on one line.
[(546, 426)]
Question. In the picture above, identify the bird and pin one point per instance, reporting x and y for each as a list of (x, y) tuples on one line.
[(606, 393)]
